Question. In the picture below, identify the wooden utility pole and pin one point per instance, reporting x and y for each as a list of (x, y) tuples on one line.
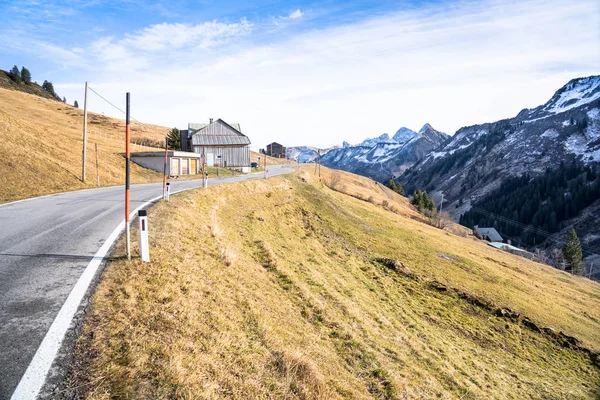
[(127, 183), (84, 134), (165, 169), (265, 166), (97, 170)]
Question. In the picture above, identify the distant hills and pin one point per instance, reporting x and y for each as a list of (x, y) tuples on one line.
[(379, 158), (470, 167), (563, 133)]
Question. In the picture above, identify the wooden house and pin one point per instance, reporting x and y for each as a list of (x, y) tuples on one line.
[(220, 143)]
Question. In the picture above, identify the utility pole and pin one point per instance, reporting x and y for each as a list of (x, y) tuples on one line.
[(127, 171), (319, 155), (84, 134), (265, 166), (97, 170), (165, 169)]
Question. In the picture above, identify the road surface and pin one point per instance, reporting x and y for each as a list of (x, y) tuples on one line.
[(45, 245)]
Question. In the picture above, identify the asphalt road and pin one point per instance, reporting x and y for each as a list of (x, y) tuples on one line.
[(45, 244)]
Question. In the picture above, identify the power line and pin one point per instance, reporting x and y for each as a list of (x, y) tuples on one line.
[(99, 95)]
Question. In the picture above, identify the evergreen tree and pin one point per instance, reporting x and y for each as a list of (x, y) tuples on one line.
[(25, 76), (15, 75), (76, 104), (572, 254), (174, 139), (49, 87), (396, 187), (64, 100)]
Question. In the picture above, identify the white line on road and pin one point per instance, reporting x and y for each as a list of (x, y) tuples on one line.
[(34, 377)]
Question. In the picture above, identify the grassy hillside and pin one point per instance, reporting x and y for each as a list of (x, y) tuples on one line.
[(40, 150), (285, 288), (31, 88)]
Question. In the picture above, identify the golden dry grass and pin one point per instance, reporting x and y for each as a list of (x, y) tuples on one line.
[(270, 289), (41, 142)]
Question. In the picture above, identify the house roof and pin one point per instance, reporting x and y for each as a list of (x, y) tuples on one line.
[(195, 127), (203, 135), (215, 140), (491, 233)]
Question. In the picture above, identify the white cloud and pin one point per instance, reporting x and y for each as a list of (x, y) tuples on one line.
[(176, 36), (296, 14), (466, 64)]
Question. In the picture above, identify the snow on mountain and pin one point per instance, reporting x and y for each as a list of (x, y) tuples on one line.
[(382, 158), (482, 156), (306, 154), (574, 94), (385, 138), (404, 135)]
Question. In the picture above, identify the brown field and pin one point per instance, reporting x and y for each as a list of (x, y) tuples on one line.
[(278, 290), (41, 143)]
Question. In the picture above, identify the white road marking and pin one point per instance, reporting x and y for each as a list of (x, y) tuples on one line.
[(34, 377)]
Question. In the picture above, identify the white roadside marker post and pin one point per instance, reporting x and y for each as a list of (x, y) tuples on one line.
[(206, 180), (168, 191), (144, 246)]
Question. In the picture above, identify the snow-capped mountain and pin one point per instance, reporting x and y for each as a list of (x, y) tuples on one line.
[(382, 158), (477, 159), (306, 154)]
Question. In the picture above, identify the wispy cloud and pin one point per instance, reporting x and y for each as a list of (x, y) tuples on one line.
[(176, 36), (451, 64)]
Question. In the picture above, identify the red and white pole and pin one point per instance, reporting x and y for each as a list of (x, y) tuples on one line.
[(127, 182)]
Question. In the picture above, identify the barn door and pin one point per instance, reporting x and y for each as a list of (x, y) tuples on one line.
[(193, 166)]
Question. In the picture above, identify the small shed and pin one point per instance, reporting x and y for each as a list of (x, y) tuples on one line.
[(178, 162), (489, 234)]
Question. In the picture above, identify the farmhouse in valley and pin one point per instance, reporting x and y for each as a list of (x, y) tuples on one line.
[(489, 234), (222, 144)]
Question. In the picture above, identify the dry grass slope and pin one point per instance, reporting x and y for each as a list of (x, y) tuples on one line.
[(41, 141), (281, 289)]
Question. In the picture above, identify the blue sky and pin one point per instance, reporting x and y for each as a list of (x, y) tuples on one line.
[(307, 73)]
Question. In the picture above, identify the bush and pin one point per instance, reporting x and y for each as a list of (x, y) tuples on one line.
[(335, 180)]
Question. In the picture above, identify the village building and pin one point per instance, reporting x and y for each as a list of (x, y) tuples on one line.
[(217, 144), (275, 150), (178, 162), (489, 234), (220, 143)]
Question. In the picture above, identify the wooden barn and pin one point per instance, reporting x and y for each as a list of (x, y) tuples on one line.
[(222, 144)]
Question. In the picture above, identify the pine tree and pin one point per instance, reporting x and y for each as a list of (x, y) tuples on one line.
[(174, 139), (76, 104), (15, 75), (25, 76), (572, 254), (64, 100)]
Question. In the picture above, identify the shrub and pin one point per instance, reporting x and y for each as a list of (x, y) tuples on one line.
[(335, 180)]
